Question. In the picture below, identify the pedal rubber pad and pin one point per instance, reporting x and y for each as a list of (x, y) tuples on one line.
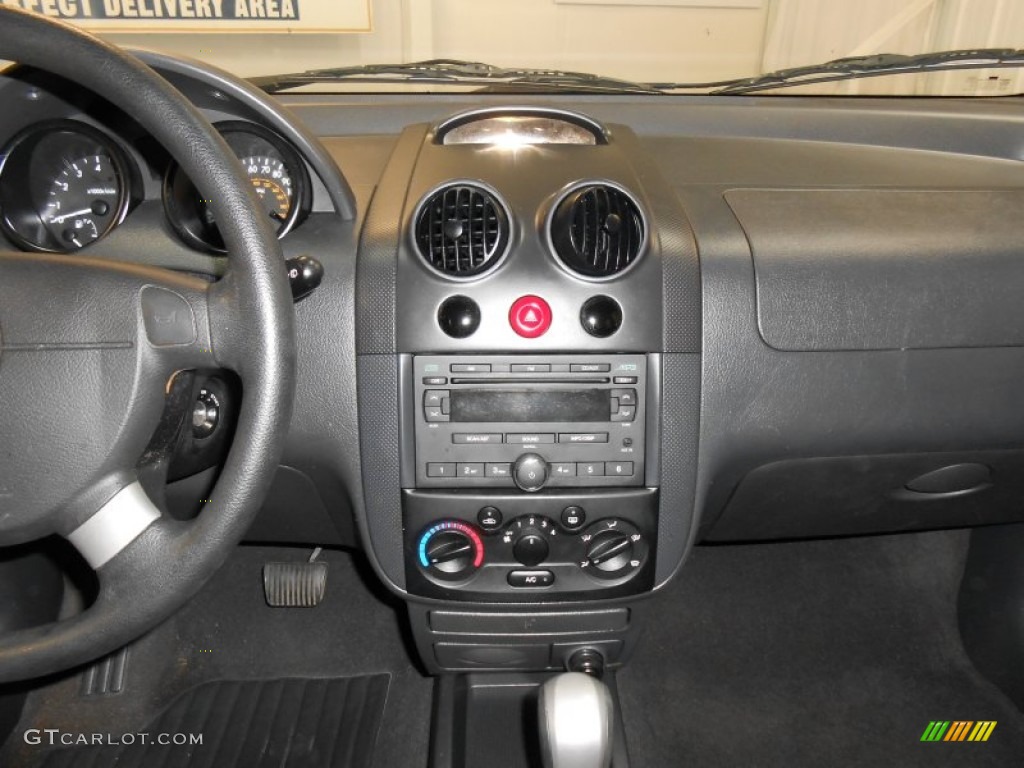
[(294, 585)]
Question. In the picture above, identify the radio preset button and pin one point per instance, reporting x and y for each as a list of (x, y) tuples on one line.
[(471, 368), (590, 367), (563, 469), (583, 437), (618, 468), (471, 470), (441, 469), (476, 438), (531, 578), (532, 438), (590, 469), (499, 470)]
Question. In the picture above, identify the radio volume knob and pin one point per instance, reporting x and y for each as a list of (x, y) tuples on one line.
[(530, 472)]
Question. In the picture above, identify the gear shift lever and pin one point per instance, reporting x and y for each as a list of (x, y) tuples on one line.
[(575, 722)]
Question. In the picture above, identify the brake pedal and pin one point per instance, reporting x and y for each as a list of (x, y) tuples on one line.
[(295, 585)]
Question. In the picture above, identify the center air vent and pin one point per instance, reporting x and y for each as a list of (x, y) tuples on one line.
[(461, 230), (597, 230)]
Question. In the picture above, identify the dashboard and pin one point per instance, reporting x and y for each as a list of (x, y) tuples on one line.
[(560, 340)]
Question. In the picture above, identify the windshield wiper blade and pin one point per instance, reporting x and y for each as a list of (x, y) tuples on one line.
[(867, 66), (453, 71)]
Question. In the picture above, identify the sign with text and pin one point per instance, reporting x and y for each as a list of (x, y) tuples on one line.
[(324, 16)]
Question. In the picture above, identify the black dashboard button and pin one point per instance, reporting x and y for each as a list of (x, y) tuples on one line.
[(573, 517), (459, 316), (601, 316), (489, 518), (530, 579)]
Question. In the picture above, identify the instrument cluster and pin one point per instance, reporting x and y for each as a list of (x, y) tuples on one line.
[(66, 184)]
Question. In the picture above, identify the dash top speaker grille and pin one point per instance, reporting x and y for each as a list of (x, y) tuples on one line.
[(461, 230), (597, 230)]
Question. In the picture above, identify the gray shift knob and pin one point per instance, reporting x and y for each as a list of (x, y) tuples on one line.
[(575, 712)]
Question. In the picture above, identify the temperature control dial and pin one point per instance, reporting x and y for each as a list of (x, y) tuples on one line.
[(451, 549), (614, 548)]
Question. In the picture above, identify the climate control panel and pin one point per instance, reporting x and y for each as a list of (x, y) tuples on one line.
[(529, 548)]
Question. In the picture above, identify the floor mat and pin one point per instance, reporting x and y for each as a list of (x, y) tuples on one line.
[(835, 653), (228, 632), (293, 723)]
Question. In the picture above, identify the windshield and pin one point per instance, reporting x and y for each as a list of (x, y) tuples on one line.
[(669, 46)]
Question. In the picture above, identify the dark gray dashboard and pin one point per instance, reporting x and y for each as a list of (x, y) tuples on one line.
[(830, 296)]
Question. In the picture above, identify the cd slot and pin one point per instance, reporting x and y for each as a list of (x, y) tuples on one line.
[(532, 380)]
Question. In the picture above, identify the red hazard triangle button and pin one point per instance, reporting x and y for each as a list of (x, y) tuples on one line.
[(530, 316)]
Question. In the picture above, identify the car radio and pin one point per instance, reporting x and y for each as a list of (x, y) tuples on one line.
[(532, 422)]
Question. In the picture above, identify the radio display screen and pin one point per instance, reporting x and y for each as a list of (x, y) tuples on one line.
[(524, 405)]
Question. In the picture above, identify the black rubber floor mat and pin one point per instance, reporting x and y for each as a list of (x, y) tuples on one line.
[(291, 723)]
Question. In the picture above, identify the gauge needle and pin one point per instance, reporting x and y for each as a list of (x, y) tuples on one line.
[(64, 216)]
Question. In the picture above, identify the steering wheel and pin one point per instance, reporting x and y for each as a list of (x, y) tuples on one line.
[(89, 350)]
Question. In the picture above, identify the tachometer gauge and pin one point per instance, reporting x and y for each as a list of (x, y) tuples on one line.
[(277, 174), (63, 186)]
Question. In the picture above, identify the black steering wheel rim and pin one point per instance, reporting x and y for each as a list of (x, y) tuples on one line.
[(250, 324)]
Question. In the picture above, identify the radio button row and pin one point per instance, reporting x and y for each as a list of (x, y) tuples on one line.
[(476, 438), (583, 437), (471, 470), (563, 469), (441, 469), (533, 438), (499, 470)]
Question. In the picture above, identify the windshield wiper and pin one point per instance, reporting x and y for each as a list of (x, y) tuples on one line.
[(455, 72), (863, 66)]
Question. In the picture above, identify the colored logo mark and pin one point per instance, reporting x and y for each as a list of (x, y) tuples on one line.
[(958, 730)]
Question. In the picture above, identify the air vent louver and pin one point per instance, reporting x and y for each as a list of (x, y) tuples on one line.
[(461, 230), (597, 230)]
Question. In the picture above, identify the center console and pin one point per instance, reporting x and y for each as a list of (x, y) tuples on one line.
[(531, 479), (528, 339)]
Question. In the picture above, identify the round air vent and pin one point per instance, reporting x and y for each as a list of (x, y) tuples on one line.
[(597, 230), (461, 230)]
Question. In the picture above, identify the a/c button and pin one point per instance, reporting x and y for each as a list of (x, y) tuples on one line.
[(531, 578)]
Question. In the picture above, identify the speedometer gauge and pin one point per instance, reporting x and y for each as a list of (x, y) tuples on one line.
[(63, 186), (277, 174)]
